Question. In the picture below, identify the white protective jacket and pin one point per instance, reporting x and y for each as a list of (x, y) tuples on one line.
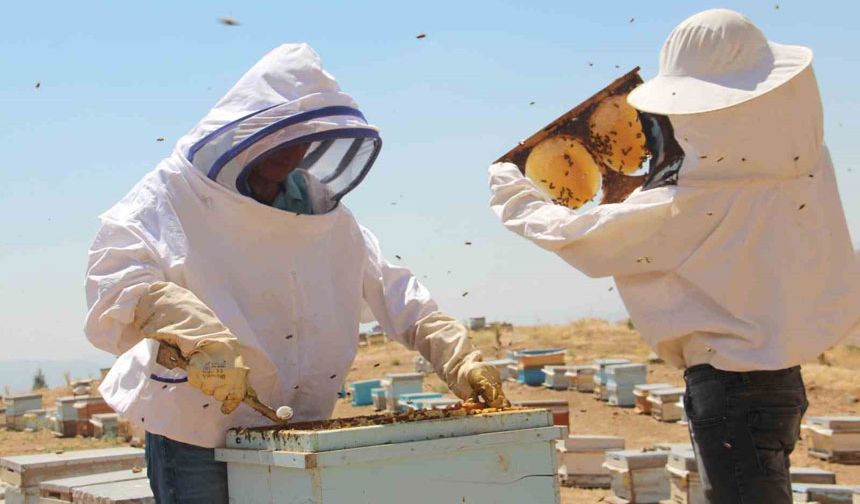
[(290, 287), (745, 264)]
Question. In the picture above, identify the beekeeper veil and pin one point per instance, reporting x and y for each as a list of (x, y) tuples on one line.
[(287, 100)]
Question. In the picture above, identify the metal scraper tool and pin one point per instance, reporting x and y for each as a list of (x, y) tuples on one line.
[(170, 357)]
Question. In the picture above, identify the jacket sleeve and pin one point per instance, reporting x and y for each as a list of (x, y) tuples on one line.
[(408, 314), (121, 268), (635, 236)]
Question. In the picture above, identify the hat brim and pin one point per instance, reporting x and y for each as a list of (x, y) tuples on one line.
[(676, 95)]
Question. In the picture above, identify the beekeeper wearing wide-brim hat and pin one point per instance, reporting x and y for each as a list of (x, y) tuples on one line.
[(237, 250), (741, 267)]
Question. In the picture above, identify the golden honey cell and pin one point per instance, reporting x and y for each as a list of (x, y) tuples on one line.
[(562, 167), (617, 140)]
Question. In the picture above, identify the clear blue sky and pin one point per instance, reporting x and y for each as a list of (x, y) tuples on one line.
[(117, 75)]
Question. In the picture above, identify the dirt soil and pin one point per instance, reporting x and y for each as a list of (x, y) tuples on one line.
[(833, 385)]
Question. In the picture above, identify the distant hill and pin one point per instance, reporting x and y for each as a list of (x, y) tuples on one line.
[(17, 375)]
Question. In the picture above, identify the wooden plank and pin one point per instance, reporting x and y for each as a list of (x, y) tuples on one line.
[(400, 432)]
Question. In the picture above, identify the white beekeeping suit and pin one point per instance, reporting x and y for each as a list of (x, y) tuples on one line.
[(746, 263), (290, 287)]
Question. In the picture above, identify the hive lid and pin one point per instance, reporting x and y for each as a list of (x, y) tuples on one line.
[(674, 447), (404, 376), (671, 393), (682, 460), (301, 438), (65, 484), (636, 459), (626, 368), (837, 423), (590, 443), (809, 471), (818, 490), (602, 363)]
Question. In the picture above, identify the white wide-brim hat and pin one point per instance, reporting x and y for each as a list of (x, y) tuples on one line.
[(717, 59)]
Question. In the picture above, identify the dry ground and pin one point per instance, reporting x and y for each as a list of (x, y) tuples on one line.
[(833, 388)]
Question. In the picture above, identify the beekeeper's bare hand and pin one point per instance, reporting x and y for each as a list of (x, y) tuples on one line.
[(174, 315), (216, 368), (486, 385)]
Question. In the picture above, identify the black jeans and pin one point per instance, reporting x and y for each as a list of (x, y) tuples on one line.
[(743, 427)]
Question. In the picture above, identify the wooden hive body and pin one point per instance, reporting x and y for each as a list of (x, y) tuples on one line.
[(581, 460), (641, 393), (581, 378), (505, 457), (822, 494), (685, 483), (664, 405), (639, 476), (812, 475)]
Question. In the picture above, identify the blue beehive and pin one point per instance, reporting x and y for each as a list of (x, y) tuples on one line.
[(621, 381), (531, 376), (361, 392), (415, 399)]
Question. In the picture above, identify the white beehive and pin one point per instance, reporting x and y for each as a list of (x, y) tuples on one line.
[(504, 457), (639, 476), (664, 404), (822, 494), (834, 438), (581, 378), (685, 485), (61, 490), (641, 393), (581, 460), (26, 472), (812, 475), (601, 378), (620, 381), (555, 377), (401, 383), (17, 405)]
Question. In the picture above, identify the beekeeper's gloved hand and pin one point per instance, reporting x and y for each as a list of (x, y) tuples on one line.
[(486, 383), (445, 342), (174, 315)]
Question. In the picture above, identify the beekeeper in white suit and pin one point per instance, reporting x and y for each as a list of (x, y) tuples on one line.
[(236, 250), (741, 271)]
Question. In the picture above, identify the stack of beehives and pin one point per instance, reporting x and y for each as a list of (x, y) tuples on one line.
[(638, 476), (834, 438), (581, 378), (601, 378), (530, 363), (19, 404), (664, 404), (620, 381), (581, 460)]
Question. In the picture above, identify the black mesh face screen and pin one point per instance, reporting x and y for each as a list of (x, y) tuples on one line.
[(666, 154)]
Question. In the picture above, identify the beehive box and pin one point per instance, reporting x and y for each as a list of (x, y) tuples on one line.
[(414, 400), (401, 383), (85, 407), (581, 460), (641, 393), (581, 378), (513, 372), (67, 419), (26, 472), (378, 397), (685, 485), (600, 376), (61, 490), (560, 409), (639, 476), (104, 425), (505, 457), (812, 475), (17, 405), (664, 405), (822, 494), (124, 492), (540, 357), (361, 391), (834, 438), (530, 376)]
